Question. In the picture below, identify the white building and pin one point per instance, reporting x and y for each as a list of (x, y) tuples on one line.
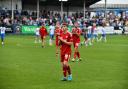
[(122, 4)]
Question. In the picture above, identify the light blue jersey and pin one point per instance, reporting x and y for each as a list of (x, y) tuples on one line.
[(103, 32), (89, 32), (2, 32)]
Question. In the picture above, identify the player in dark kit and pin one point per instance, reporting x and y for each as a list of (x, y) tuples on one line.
[(65, 40)]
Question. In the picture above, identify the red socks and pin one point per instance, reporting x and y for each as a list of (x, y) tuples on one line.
[(78, 54), (65, 70), (75, 53), (69, 70)]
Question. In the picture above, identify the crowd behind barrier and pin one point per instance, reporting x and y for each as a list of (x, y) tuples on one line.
[(113, 21)]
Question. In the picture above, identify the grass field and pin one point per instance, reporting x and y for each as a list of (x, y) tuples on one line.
[(25, 65)]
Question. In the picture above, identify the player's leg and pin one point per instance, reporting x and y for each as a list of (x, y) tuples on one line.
[(67, 57), (97, 38), (93, 37), (105, 40), (86, 40), (44, 39), (75, 54), (2, 39), (101, 38), (36, 38), (89, 39), (68, 69), (64, 69), (50, 40), (57, 47), (64, 72)]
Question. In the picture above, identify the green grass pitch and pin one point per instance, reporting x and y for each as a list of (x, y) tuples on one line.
[(25, 65)]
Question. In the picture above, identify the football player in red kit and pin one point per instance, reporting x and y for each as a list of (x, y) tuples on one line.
[(76, 32), (65, 40), (58, 32), (43, 34)]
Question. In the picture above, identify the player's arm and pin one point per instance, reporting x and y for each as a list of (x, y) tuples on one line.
[(40, 31), (46, 32), (73, 32), (64, 41), (78, 34), (57, 34)]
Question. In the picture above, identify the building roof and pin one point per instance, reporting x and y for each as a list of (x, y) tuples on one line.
[(56, 2), (111, 4)]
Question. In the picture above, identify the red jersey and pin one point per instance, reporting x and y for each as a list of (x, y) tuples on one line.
[(76, 38), (58, 32), (43, 31), (65, 48)]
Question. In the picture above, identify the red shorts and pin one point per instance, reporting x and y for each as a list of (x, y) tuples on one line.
[(65, 57), (76, 44)]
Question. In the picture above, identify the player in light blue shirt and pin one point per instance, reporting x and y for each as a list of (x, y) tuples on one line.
[(51, 33), (2, 33), (103, 35)]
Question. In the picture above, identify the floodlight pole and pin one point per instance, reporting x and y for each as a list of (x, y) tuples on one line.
[(61, 10), (67, 9), (105, 8), (84, 9), (12, 18), (38, 8)]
